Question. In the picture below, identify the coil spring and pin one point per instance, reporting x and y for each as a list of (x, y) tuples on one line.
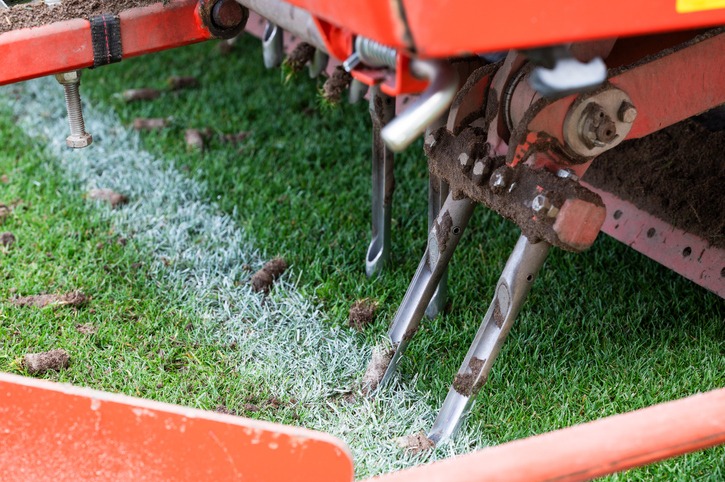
[(375, 54)]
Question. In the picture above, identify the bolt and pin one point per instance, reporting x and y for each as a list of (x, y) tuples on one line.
[(78, 137), (540, 204), (227, 14), (480, 169), (567, 174), (597, 129), (627, 112), (499, 180)]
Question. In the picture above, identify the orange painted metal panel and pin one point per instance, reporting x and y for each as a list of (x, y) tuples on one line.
[(57, 432), (445, 28), (376, 19), (591, 450)]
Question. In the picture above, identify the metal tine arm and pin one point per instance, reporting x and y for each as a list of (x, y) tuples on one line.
[(513, 286)]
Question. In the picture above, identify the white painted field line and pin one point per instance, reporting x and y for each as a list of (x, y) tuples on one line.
[(283, 341)]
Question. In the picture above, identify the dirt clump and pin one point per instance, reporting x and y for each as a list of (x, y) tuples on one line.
[(376, 369), (86, 329), (336, 85), (5, 211), (416, 443), (4, 179), (7, 239), (676, 174), (194, 139), (299, 57), (362, 314), (37, 363), (263, 279), (465, 384), (38, 14), (74, 299), (142, 124), (181, 83), (133, 95), (234, 138), (224, 409), (108, 195)]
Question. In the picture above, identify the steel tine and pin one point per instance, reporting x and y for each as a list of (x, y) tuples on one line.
[(272, 45), (512, 288), (437, 194), (382, 111), (442, 242)]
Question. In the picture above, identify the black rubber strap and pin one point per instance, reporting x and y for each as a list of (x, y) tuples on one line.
[(106, 38)]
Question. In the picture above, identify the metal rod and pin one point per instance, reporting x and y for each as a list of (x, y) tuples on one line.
[(437, 194), (289, 18), (382, 110), (432, 103), (273, 46), (513, 286), (442, 241)]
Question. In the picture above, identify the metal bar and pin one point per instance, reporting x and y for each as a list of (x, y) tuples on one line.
[(65, 46), (590, 450), (442, 241), (437, 194), (683, 252), (289, 18), (45, 426), (513, 286), (382, 110)]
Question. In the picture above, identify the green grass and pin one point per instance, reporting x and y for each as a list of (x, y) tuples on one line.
[(604, 332)]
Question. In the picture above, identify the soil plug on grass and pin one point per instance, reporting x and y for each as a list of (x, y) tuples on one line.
[(264, 278), (110, 196), (194, 139), (181, 83), (362, 314), (376, 370), (299, 57), (415, 443), (4, 211), (133, 95), (234, 138), (336, 85), (141, 124), (37, 363), (7, 239), (74, 299), (4, 179)]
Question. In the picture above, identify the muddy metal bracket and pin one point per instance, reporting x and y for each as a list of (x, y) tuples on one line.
[(68, 45)]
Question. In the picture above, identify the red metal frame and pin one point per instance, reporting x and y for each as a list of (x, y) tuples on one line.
[(441, 28), (65, 46)]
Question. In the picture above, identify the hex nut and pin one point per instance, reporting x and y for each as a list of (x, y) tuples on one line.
[(71, 77), (79, 141)]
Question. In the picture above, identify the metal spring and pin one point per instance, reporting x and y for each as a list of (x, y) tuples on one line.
[(375, 54)]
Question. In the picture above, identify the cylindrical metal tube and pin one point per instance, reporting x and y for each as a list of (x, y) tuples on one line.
[(289, 18)]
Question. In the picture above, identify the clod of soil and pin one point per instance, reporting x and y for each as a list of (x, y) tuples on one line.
[(7, 239), (141, 124), (180, 83), (194, 139), (133, 95), (5, 211), (465, 384), (37, 363), (676, 174), (234, 138), (263, 279), (109, 195), (250, 407), (38, 14), (224, 409), (74, 299), (415, 443), (4, 179), (86, 329), (362, 314), (336, 85), (300, 56), (376, 369)]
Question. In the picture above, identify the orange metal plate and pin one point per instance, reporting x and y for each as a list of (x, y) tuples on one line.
[(59, 432)]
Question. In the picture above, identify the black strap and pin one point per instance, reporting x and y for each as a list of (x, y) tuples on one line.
[(106, 38)]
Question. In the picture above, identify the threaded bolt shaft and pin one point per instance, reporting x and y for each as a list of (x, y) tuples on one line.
[(71, 85)]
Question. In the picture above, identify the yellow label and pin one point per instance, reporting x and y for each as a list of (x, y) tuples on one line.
[(687, 6)]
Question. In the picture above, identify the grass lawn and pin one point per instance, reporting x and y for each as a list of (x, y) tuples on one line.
[(603, 332)]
